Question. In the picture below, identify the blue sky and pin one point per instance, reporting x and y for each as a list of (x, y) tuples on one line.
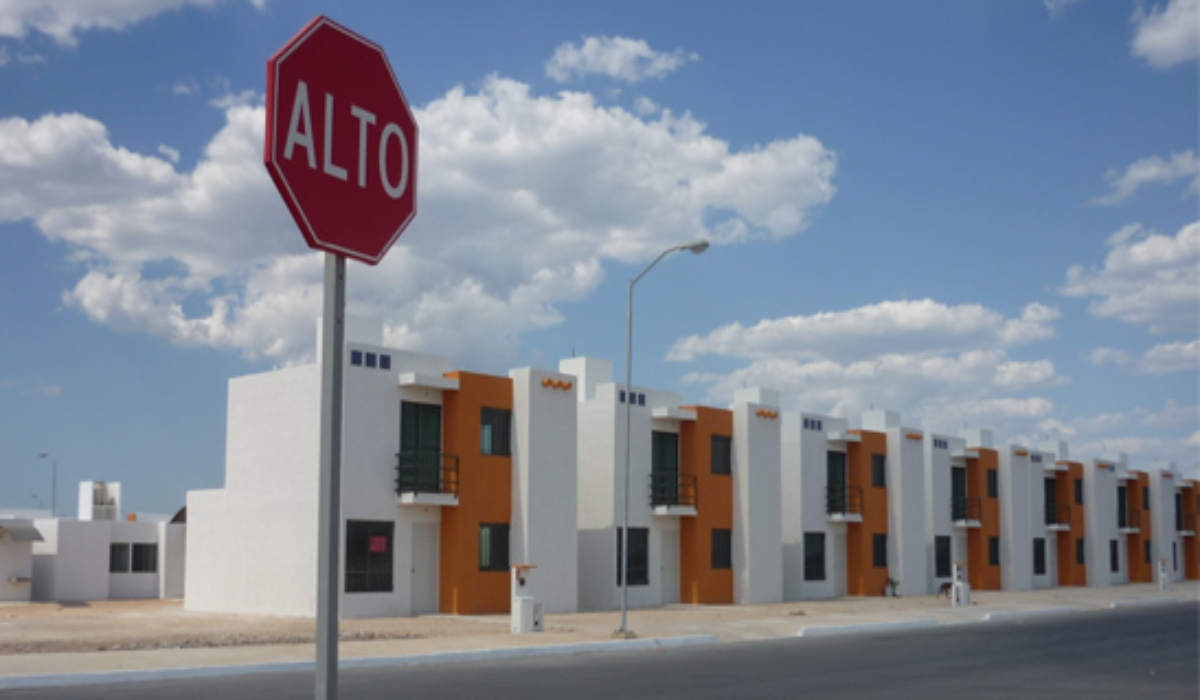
[(978, 214)]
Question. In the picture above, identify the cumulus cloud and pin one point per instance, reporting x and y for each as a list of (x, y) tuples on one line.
[(1110, 356), (630, 60), (64, 19), (510, 225), (924, 326), (1170, 358), (1168, 34), (1152, 170), (1057, 7), (1147, 279)]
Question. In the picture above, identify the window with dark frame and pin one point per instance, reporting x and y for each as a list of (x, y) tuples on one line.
[(1174, 556), (722, 549), (639, 556), (879, 471), (1145, 499), (993, 483), (493, 546), (1114, 556), (1079, 492), (1039, 556), (1079, 556), (118, 558), (814, 556), (369, 556), (495, 432), (145, 558), (941, 555), (722, 454), (993, 551), (879, 551), (356, 358), (1146, 547)]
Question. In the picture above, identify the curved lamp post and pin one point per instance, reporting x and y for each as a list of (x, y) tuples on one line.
[(697, 246), (53, 483)]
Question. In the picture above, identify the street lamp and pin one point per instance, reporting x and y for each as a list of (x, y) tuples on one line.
[(697, 246), (53, 483)]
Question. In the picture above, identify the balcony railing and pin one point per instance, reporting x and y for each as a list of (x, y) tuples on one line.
[(426, 472), (670, 489), (965, 509), (1129, 520), (843, 500), (1058, 514)]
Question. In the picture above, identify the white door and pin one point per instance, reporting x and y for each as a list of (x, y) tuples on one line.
[(670, 566), (425, 568)]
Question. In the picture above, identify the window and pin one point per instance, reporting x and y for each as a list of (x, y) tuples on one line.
[(639, 556), (1175, 556), (1145, 499), (1039, 556), (1146, 547), (1114, 556), (118, 558), (493, 547), (370, 362), (385, 362), (993, 551), (722, 549), (878, 471), (941, 556), (1079, 492), (369, 556), (145, 558), (1178, 512), (722, 454), (814, 556), (356, 358), (879, 551), (1079, 558), (993, 483), (495, 431)]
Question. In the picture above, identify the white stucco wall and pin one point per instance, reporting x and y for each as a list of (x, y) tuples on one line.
[(1100, 505), (1168, 545), (804, 473), (1017, 514), (71, 564), (1040, 469), (16, 562), (757, 502), (907, 524)]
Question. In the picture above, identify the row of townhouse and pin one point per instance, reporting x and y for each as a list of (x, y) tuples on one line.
[(451, 477)]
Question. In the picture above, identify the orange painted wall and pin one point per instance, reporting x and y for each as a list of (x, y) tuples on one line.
[(982, 575), (862, 577), (484, 496), (1191, 548), (1139, 570), (699, 583), (1070, 573)]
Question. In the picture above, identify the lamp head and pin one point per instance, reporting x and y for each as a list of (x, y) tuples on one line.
[(697, 246)]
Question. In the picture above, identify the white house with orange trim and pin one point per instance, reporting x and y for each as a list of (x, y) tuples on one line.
[(904, 480)]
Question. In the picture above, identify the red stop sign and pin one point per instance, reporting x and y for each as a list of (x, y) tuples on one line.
[(341, 141)]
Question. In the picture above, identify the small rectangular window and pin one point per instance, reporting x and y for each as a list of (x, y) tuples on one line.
[(993, 551), (495, 432), (993, 483), (879, 551), (941, 547), (722, 454), (493, 546), (385, 362), (370, 359), (1146, 547), (814, 556), (118, 558), (145, 558), (1079, 556), (1114, 556), (722, 549), (1175, 556), (878, 471), (1145, 499), (639, 556), (356, 358), (641, 399), (1039, 556), (369, 556), (1079, 492)]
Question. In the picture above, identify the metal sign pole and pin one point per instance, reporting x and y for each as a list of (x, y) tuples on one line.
[(329, 494)]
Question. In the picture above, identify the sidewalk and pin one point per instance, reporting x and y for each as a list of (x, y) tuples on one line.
[(488, 637)]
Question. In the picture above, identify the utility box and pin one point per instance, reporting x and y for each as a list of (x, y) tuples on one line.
[(960, 594), (526, 615)]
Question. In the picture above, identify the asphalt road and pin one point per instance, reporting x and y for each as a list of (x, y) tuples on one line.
[(1141, 652)]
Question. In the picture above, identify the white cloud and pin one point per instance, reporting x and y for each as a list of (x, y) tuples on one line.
[(186, 87), (1167, 35), (923, 326), (1057, 7), (169, 153), (1110, 356), (1170, 358), (64, 19), (1173, 414), (509, 226), (1147, 280), (631, 60), (1152, 170)]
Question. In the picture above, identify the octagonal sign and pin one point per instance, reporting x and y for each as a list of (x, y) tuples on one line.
[(341, 142)]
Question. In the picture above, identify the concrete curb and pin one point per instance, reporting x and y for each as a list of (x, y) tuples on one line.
[(1147, 601), (498, 654), (830, 630), (1036, 612)]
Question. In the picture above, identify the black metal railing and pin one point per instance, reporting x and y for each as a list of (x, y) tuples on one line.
[(841, 500), (668, 489), (1058, 513), (426, 472), (965, 508)]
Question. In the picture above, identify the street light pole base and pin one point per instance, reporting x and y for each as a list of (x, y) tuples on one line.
[(624, 634)]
